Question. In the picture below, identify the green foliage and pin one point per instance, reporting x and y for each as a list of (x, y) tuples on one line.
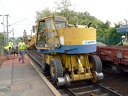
[(44, 13), (1, 39), (1, 42), (113, 37), (64, 8), (1, 35)]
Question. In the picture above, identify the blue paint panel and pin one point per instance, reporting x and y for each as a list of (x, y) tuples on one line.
[(72, 49), (122, 29)]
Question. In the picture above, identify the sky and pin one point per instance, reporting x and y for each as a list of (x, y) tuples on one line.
[(22, 13)]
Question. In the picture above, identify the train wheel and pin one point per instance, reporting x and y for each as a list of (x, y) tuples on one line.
[(95, 78), (56, 69), (45, 67), (95, 63)]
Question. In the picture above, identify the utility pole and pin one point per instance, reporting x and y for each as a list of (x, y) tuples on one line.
[(4, 32), (31, 32), (7, 30), (13, 33), (3, 24)]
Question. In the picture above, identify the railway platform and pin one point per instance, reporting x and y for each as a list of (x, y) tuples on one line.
[(17, 79)]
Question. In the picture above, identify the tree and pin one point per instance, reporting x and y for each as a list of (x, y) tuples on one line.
[(64, 8), (44, 13), (1, 41), (113, 36)]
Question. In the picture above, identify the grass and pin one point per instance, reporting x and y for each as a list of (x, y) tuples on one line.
[(2, 56)]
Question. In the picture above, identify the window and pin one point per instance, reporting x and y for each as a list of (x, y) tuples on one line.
[(49, 24), (41, 25), (60, 24)]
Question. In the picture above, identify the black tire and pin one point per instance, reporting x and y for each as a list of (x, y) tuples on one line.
[(56, 69), (96, 63), (45, 67)]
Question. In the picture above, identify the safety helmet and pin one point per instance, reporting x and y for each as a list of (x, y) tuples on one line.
[(123, 36), (19, 40), (10, 40), (13, 47)]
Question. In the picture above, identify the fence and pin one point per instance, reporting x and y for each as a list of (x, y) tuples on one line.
[(109, 40)]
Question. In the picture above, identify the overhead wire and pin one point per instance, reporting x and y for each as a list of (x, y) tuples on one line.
[(38, 8), (81, 4), (26, 16), (23, 24), (35, 7), (17, 21), (16, 17)]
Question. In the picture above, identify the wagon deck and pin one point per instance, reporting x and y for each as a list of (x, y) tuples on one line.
[(116, 54)]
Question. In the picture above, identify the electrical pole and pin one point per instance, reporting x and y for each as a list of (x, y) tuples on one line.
[(4, 32), (31, 32), (13, 33), (7, 30)]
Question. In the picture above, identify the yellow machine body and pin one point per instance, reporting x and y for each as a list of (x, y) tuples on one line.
[(32, 41), (71, 64), (76, 36)]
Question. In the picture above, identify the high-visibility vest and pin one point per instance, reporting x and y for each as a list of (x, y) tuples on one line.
[(7, 47), (10, 44), (22, 46), (124, 42)]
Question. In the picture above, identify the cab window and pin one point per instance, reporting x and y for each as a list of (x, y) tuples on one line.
[(49, 24), (60, 24)]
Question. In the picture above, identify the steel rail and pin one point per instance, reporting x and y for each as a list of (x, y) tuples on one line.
[(109, 91)]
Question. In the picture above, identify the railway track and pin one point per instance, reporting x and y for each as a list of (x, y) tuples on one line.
[(119, 81), (82, 88)]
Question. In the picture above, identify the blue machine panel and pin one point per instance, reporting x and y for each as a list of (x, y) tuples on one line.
[(72, 49)]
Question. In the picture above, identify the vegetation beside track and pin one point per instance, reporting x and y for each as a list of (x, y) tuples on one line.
[(2, 57)]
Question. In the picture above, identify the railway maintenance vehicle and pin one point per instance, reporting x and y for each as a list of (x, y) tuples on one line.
[(118, 55), (67, 51)]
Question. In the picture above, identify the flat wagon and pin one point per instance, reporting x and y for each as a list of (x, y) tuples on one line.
[(116, 54)]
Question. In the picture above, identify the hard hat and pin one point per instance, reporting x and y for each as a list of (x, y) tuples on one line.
[(123, 36), (13, 47), (10, 40), (19, 40)]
